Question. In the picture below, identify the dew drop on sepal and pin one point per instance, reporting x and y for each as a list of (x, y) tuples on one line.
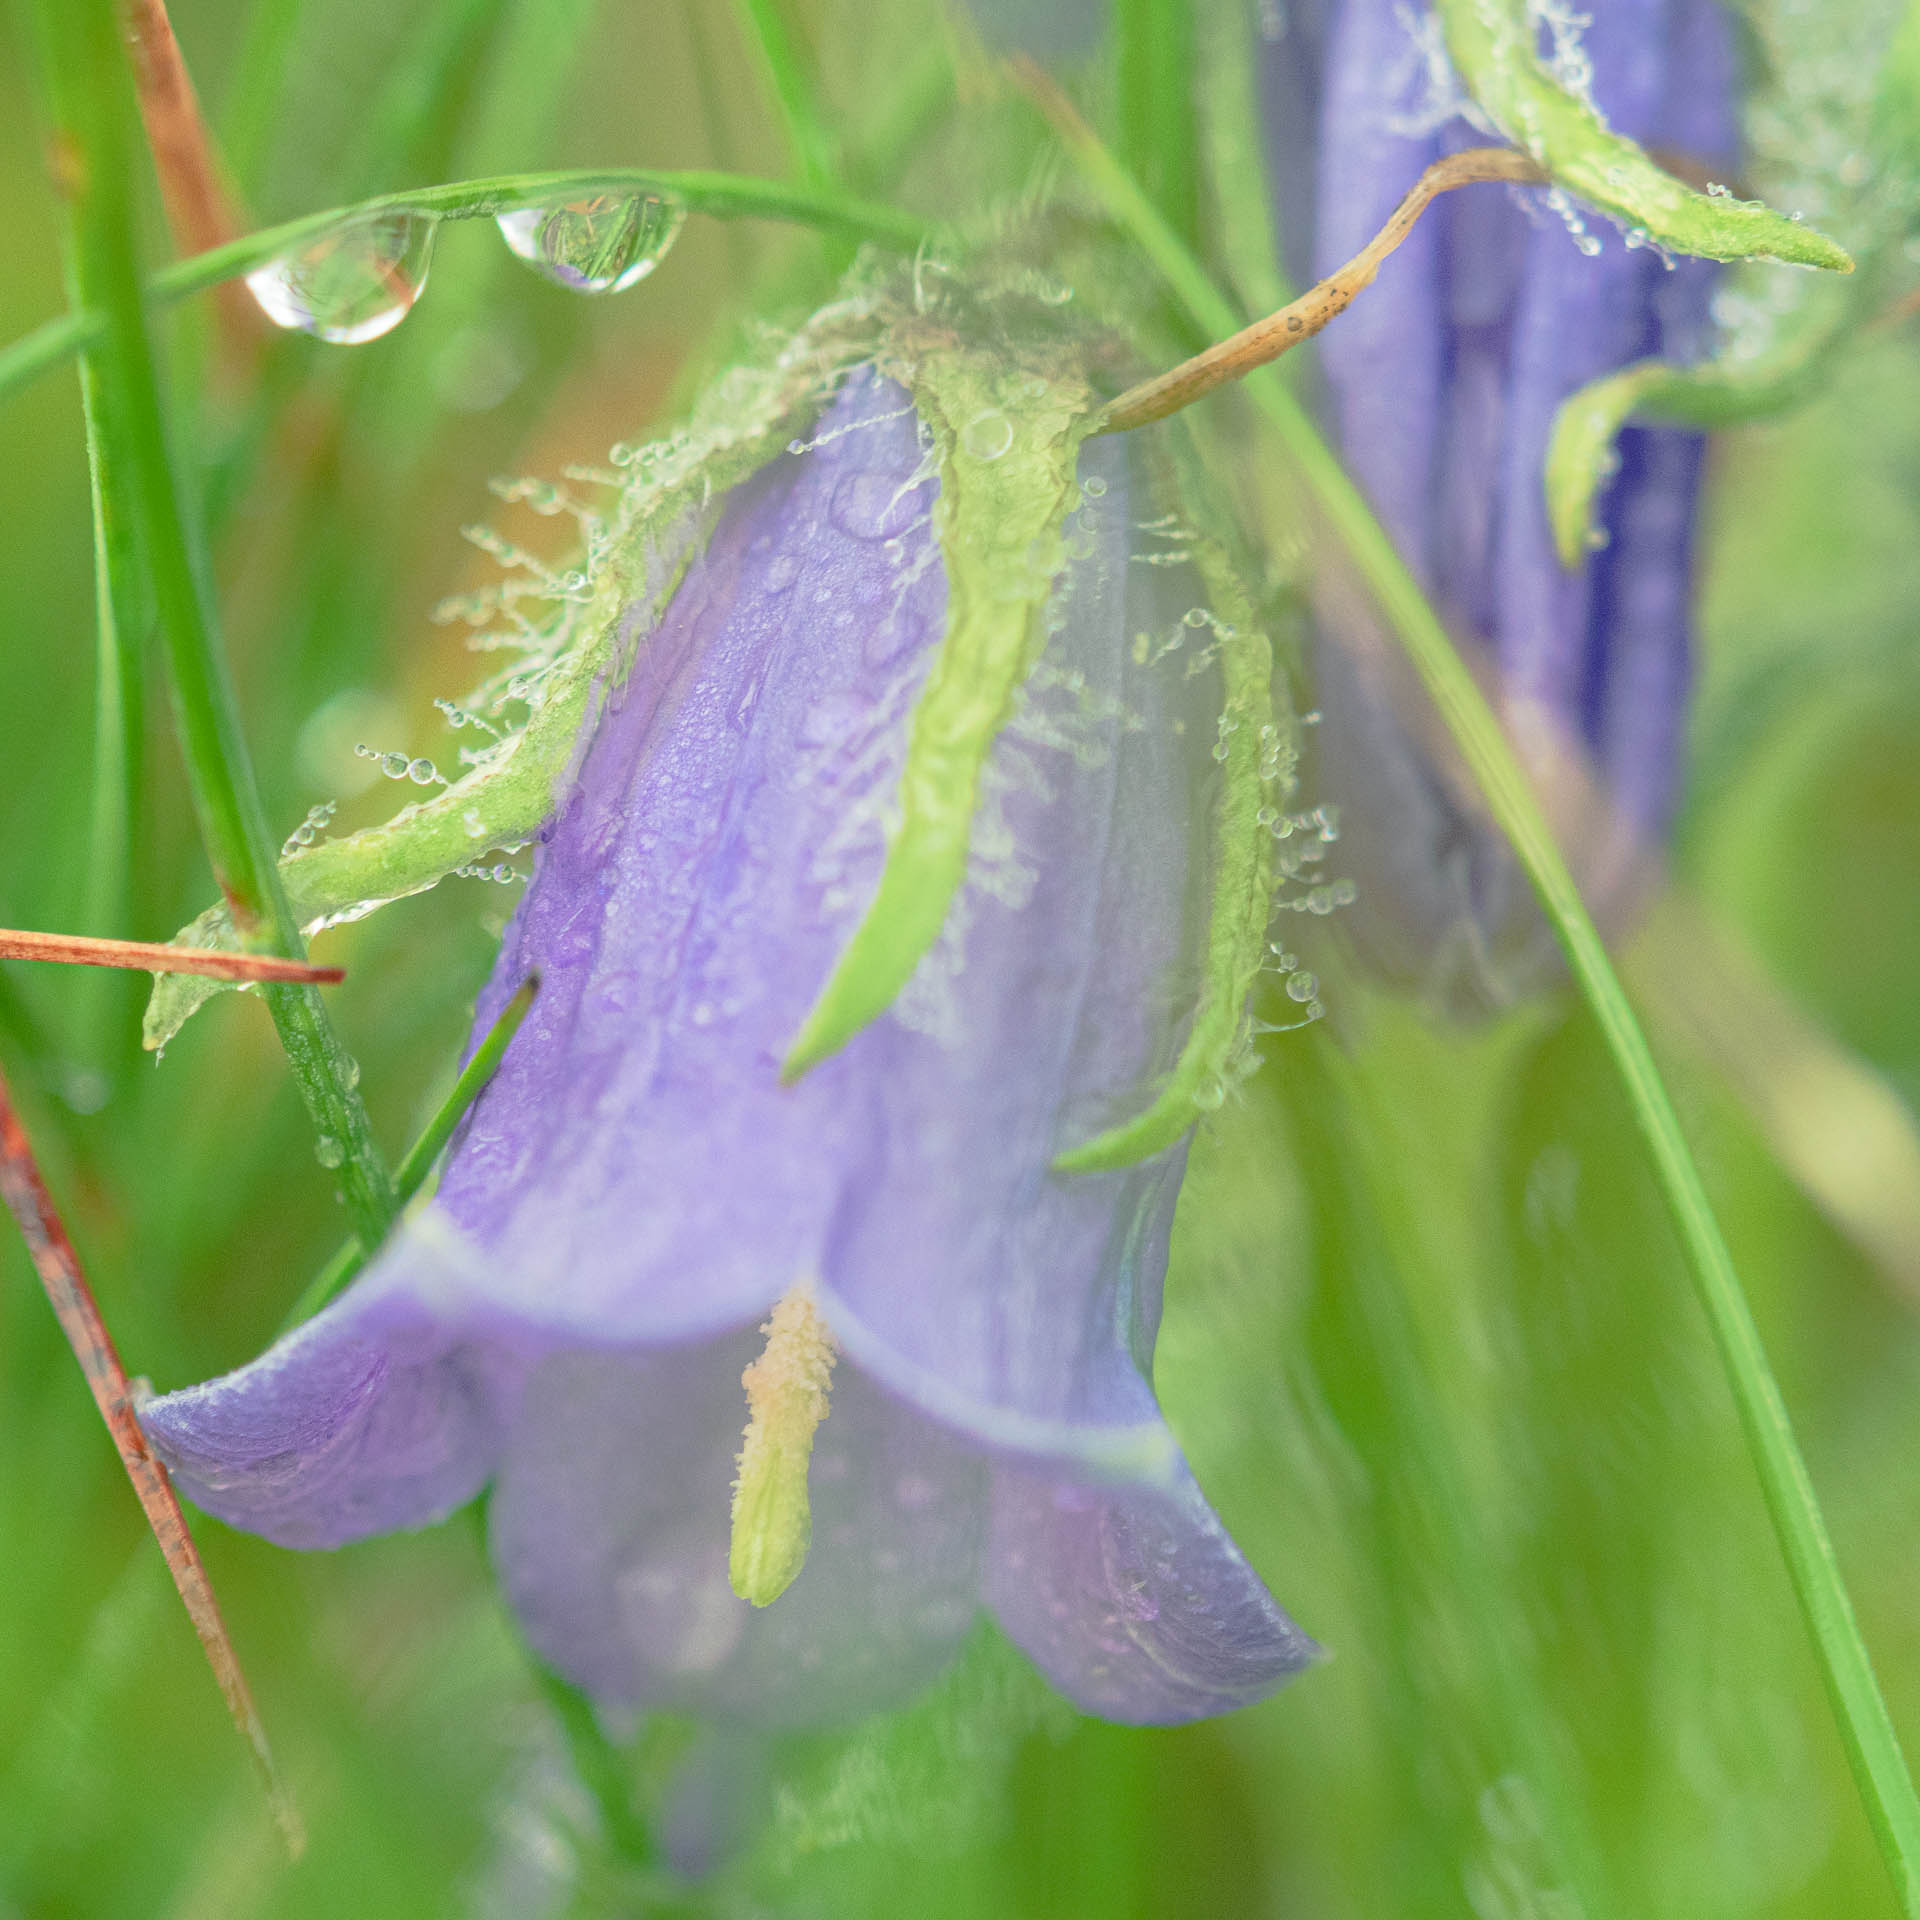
[(598, 245), (352, 283)]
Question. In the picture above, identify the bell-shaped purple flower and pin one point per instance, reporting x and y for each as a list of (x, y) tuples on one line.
[(636, 1189), (1442, 387)]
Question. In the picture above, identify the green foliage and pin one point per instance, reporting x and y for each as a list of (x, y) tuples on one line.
[(1428, 1344), (1494, 45)]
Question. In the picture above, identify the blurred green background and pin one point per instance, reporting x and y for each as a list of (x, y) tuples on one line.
[(1429, 1341)]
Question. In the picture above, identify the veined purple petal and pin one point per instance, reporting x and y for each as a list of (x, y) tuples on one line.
[(1132, 1600), (376, 1415), (609, 1528), (1073, 951)]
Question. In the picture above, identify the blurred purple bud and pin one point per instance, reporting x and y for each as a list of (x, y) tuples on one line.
[(569, 1319), (1441, 389)]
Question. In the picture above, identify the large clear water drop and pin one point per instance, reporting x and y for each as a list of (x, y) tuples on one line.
[(352, 283), (597, 245)]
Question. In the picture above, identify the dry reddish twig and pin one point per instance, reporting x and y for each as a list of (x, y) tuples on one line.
[(54, 1259), (202, 210), (1301, 319), (79, 949)]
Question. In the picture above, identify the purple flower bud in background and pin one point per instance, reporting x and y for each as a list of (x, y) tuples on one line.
[(960, 1336), (1441, 388)]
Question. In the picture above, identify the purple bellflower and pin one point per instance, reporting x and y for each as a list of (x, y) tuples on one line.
[(951, 1396), (1441, 389)]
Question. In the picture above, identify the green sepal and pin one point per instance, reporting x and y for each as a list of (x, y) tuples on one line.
[(1493, 46), (1256, 777), (665, 511), (1718, 393), (998, 521), (1808, 322)]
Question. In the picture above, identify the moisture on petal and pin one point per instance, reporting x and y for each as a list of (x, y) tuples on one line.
[(1133, 1601), (378, 1414)]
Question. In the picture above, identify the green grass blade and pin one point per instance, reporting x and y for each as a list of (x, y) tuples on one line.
[(92, 104), (411, 1175), (1873, 1748), (119, 737), (724, 196), (252, 104), (1155, 60), (764, 23)]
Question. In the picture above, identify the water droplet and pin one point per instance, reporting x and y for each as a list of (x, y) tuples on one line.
[(328, 1151), (394, 765), (1302, 987), (423, 773), (1093, 487), (351, 284), (603, 244), (987, 435)]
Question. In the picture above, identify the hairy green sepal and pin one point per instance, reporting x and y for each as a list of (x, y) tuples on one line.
[(998, 521), (1798, 327), (665, 510), (1255, 776), (1492, 44), (1718, 393)]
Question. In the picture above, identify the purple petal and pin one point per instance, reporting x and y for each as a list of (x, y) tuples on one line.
[(958, 1268), (1133, 1601), (635, 1170), (1384, 362), (610, 1526), (376, 1415), (1600, 653)]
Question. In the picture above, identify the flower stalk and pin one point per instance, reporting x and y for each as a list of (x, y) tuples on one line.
[(1266, 340)]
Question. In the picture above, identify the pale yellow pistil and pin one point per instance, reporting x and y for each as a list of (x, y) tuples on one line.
[(786, 1401)]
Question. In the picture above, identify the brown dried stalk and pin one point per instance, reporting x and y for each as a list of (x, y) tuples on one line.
[(54, 1259), (201, 207), (79, 949), (1301, 319)]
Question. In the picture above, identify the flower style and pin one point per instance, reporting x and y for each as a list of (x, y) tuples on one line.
[(637, 1189), (1443, 385)]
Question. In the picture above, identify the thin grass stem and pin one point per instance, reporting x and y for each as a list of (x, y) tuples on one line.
[(1155, 58), (339, 1272), (724, 196), (765, 25), (89, 91)]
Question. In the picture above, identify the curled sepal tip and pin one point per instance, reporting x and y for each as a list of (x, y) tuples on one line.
[(1007, 456), (1493, 45)]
